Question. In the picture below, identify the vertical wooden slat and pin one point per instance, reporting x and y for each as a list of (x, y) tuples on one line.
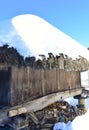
[(43, 82), (57, 79)]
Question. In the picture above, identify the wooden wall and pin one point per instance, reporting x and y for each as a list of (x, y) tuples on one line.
[(28, 84)]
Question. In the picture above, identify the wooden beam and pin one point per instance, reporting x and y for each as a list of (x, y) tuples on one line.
[(36, 104), (43, 102)]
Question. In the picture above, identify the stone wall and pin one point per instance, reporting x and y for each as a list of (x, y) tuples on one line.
[(61, 61), (64, 62)]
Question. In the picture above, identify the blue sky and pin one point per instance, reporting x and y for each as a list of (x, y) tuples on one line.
[(70, 16)]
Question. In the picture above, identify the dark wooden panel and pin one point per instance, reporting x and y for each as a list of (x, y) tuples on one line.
[(5, 78)]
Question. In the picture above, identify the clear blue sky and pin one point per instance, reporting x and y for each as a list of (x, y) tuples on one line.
[(70, 16)]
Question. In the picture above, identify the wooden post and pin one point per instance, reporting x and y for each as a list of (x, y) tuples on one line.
[(82, 101)]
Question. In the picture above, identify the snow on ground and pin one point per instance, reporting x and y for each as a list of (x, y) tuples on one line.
[(63, 126), (87, 103), (72, 101), (81, 122)]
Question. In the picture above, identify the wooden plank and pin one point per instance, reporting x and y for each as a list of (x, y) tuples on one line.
[(34, 118)]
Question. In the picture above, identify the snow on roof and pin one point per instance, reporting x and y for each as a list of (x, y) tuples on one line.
[(42, 38)]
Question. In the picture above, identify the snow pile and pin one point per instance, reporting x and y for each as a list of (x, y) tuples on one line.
[(41, 37), (81, 122), (72, 101)]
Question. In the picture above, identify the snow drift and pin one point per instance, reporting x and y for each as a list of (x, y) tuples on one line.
[(41, 37)]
